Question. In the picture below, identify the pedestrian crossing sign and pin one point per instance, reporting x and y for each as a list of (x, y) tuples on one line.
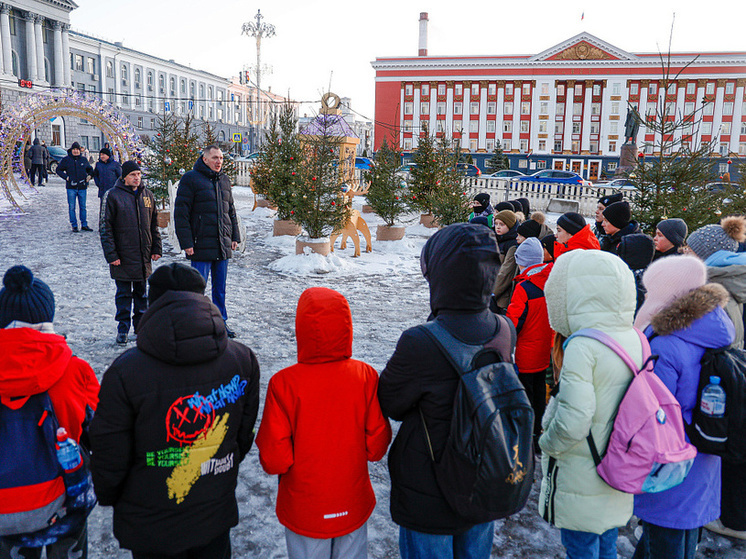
[(236, 137)]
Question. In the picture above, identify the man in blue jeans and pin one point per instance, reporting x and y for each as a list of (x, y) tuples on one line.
[(206, 223), (75, 169)]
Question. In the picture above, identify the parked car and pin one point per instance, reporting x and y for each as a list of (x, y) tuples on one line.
[(56, 153), (719, 186), (468, 170), (405, 170), (505, 174), (363, 163), (553, 176)]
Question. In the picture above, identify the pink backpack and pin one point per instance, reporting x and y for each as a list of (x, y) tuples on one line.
[(647, 450)]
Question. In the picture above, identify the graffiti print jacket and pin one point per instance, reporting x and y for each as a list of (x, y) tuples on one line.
[(175, 418), (321, 448)]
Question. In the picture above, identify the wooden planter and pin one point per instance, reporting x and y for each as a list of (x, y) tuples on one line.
[(390, 232), (163, 218), (428, 220), (282, 227), (367, 209), (319, 246)]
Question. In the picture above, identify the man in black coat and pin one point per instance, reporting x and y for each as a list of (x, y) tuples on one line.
[(175, 418), (206, 224), (37, 163), (130, 239), (75, 169), (461, 264), (107, 171)]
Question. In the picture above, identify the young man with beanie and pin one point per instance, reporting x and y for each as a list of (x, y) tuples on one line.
[(175, 419), (617, 223), (75, 169), (418, 386), (573, 233), (107, 171), (669, 237), (131, 240), (35, 360), (206, 223), (603, 203), (528, 312), (481, 208), (322, 424), (506, 228)]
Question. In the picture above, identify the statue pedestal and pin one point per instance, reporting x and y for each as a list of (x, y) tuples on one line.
[(627, 159)]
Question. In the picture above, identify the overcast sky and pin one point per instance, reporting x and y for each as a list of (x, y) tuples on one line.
[(319, 43)]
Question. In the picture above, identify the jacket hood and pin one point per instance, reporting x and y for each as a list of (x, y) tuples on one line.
[(537, 274), (460, 262), (182, 328), (590, 289), (31, 361), (629, 229), (70, 153), (201, 166), (683, 313), (732, 278), (323, 326), (37, 142)]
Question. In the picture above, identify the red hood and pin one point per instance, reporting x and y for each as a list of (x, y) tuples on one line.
[(323, 326), (30, 361), (583, 239), (536, 274)]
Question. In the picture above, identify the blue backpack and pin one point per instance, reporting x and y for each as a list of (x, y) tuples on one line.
[(35, 509)]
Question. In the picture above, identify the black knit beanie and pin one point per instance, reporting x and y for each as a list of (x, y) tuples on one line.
[(175, 277), (618, 214), (609, 199), (529, 228), (674, 230), (503, 206), (571, 222), (548, 243), (25, 298), (129, 167)]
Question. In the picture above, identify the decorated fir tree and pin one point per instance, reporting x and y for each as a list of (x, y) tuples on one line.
[(160, 163), (449, 202), (426, 173), (387, 194), (498, 161), (186, 146), (285, 153)]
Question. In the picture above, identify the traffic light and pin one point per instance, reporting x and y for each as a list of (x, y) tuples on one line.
[(246, 77)]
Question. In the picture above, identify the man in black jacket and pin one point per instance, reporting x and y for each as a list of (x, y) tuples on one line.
[(75, 169), (130, 239), (37, 163), (418, 385), (206, 224), (175, 419), (107, 171)]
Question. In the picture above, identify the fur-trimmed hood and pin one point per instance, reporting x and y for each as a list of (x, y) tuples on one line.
[(689, 308)]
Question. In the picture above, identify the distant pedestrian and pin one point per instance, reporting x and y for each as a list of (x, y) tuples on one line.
[(75, 169), (321, 426), (206, 223), (37, 163), (47, 157), (506, 228), (130, 239), (175, 420), (107, 172)]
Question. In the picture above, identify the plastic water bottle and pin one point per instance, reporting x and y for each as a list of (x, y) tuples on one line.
[(68, 455), (713, 399)]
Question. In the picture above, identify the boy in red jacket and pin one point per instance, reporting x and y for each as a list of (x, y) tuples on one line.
[(321, 448), (528, 311)]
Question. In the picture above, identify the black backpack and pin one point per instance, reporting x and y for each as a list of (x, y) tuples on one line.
[(723, 436), (487, 466)]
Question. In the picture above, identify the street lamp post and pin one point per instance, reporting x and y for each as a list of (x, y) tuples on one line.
[(259, 30)]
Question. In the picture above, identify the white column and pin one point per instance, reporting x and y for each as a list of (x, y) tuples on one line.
[(698, 108), (717, 120), (39, 32), (401, 110), (5, 34), (569, 100), (31, 60), (59, 70), (500, 115), (449, 110), (517, 95), (466, 116), (738, 116), (66, 54), (642, 110), (533, 141), (585, 139), (603, 122), (433, 107), (482, 143), (678, 132), (417, 125)]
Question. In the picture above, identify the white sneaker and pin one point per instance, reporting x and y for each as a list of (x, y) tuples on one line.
[(717, 527)]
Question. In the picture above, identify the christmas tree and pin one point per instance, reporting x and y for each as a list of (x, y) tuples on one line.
[(186, 147), (160, 162), (448, 201), (319, 206), (387, 194), (425, 174), (284, 154), (498, 161)]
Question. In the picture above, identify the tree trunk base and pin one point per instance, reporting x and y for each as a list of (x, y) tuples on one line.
[(282, 227), (390, 232), (163, 218), (367, 209), (428, 220), (319, 246)]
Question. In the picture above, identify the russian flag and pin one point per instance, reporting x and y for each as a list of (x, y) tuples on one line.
[(582, 16)]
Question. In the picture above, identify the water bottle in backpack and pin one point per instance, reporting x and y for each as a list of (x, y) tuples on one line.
[(712, 403), (68, 454)]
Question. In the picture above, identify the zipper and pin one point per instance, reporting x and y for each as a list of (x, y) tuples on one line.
[(552, 482)]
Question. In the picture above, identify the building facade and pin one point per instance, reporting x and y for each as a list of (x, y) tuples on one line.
[(564, 108), (40, 51)]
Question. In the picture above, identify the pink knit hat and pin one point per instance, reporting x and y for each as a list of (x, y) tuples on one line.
[(666, 280)]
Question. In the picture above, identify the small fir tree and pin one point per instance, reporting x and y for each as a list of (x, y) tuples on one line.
[(283, 151), (425, 174), (160, 163), (186, 145), (387, 194), (449, 202), (319, 206), (498, 161)]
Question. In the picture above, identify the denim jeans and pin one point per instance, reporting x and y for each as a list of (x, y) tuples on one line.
[(586, 545), (657, 541), (129, 292), (475, 543), (218, 269), (80, 195)]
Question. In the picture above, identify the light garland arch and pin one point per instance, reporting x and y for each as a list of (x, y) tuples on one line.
[(18, 122)]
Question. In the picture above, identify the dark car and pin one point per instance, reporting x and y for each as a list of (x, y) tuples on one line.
[(56, 153), (553, 176), (468, 170)]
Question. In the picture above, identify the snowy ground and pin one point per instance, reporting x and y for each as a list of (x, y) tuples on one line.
[(386, 292)]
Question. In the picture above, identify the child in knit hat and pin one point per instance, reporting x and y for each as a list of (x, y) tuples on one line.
[(528, 312), (481, 207), (506, 228), (617, 223), (603, 203), (573, 233), (669, 237)]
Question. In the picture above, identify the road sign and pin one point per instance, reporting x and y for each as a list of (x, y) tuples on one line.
[(236, 137), (167, 106), (191, 105)]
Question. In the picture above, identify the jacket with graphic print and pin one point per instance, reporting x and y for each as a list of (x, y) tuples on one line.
[(528, 312), (322, 423), (175, 418)]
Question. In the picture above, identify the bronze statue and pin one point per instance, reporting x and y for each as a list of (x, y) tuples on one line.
[(631, 126)]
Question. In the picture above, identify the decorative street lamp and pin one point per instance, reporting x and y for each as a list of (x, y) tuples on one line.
[(259, 30)]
